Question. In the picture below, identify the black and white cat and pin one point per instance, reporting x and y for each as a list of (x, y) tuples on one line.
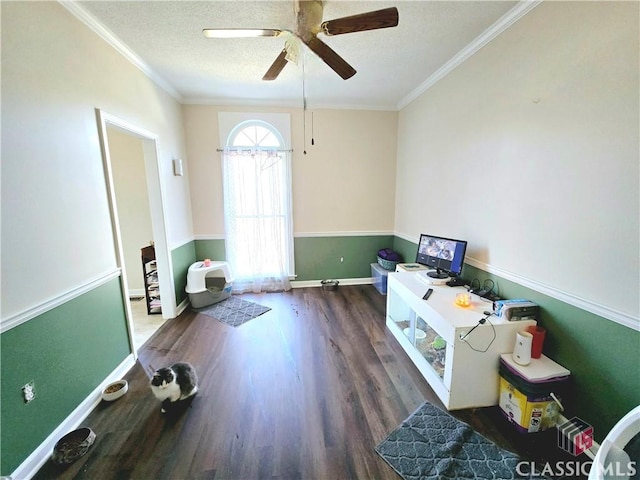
[(174, 383)]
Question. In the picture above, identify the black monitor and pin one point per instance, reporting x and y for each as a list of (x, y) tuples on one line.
[(444, 255)]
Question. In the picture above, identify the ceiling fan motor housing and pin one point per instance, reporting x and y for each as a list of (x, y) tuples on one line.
[(308, 24)]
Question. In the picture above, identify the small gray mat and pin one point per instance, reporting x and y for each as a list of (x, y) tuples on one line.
[(431, 444), (233, 311)]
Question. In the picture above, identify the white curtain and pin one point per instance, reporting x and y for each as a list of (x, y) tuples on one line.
[(257, 210)]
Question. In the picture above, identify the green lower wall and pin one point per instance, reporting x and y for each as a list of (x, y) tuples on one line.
[(71, 349), (407, 249), (212, 249), (318, 258), (181, 259), (603, 356), (67, 352)]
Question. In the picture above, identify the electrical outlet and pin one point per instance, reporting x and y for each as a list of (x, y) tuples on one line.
[(29, 392)]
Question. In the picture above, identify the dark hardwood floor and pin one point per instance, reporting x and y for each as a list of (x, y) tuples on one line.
[(304, 391)]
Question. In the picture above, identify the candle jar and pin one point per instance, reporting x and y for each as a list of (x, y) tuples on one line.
[(463, 299)]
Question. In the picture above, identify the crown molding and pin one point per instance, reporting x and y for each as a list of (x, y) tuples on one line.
[(242, 102), (503, 23), (328, 106), (521, 9), (108, 36), (296, 104)]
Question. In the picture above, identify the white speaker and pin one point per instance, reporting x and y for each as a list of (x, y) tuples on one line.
[(522, 348)]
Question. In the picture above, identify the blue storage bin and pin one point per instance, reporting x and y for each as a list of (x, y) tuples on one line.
[(379, 276)]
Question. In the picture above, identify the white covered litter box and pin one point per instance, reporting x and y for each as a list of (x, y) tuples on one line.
[(210, 284)]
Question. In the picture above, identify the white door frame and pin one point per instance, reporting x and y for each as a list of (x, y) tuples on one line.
[(156, 206)]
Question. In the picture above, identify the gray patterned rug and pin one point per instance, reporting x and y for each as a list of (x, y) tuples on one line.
[(431, 444), (233, 311)]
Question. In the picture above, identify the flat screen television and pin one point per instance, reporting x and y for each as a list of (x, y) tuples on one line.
[(444, 255)]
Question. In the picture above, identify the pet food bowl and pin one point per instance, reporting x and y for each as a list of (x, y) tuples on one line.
[(115, 390), (420, 334), (329, 284), (73, 446)]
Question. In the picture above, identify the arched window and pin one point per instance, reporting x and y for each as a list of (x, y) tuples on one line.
[(255, 134), (257, 206)]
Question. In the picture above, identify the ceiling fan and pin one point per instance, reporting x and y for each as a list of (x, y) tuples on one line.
[(308, 24)]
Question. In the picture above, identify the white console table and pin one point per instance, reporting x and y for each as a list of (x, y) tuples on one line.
[(460, 372)]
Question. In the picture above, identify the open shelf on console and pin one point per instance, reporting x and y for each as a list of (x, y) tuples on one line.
[(432, 346), (463, 373)]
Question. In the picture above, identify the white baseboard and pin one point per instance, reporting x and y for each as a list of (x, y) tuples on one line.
[(343, 281), (183, 306), (40, 455)]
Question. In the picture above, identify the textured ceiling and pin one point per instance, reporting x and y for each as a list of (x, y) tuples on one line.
[(391, 63)]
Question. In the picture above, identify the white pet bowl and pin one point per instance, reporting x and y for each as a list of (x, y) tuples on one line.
[(420, 334), (115, 390)]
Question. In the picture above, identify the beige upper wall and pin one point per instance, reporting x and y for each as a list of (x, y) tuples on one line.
[(529, 150), (345, 182), (56, 229)]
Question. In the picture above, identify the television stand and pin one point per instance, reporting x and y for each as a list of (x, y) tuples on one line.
[(456, 282), (460, 372), (429, 280), (437, 274)]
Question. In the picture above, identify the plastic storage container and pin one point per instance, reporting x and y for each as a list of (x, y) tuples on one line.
[(379, 276), (210, 284), (525, 392)]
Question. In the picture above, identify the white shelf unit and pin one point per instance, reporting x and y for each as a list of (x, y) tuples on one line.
[(151, 285), (461, 373)]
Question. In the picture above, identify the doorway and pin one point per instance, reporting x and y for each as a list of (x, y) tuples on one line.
[(137, 215)]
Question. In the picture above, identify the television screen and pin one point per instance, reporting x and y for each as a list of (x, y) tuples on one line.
[(444, 255)]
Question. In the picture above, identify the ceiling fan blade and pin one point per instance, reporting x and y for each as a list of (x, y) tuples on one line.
[(277, 66), (331, 58), (240, 32), (385, 18)]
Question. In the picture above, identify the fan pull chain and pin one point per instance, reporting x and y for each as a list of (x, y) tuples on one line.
[(304, 113), (312, 140), (304, 127)]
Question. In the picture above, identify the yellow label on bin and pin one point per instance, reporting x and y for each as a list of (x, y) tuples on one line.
[(533, 416)]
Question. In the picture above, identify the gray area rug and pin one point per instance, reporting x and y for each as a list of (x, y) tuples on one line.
[(233, 311), (431, 444)]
